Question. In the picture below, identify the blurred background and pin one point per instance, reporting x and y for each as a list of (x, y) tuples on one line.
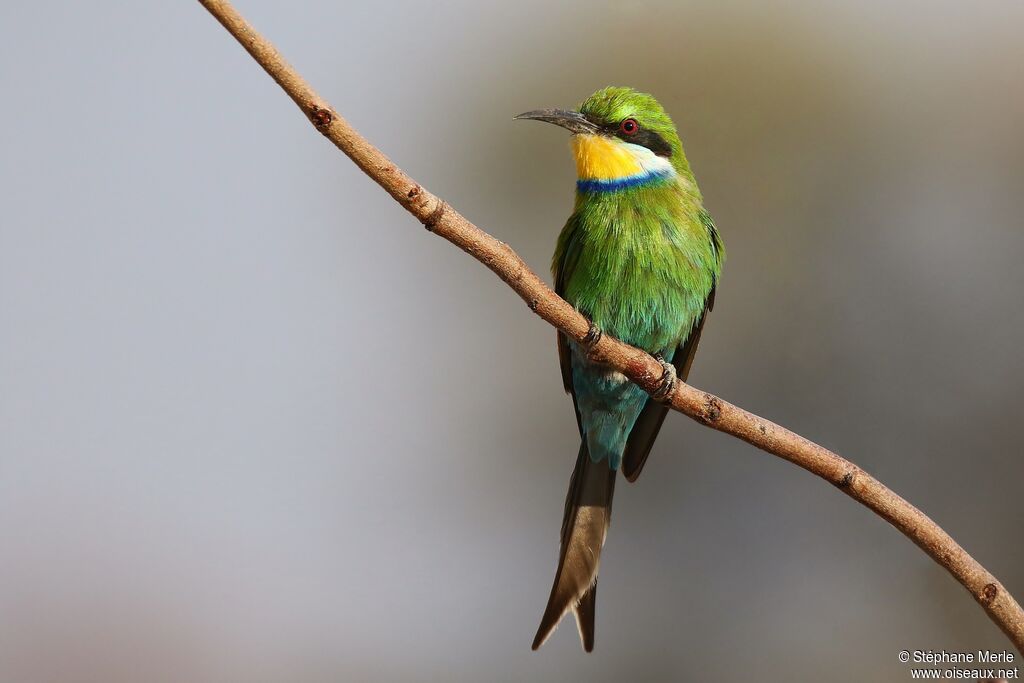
[(257, 425)]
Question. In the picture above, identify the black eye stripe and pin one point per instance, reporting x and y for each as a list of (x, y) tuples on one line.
[(643, 137), (652, 141)]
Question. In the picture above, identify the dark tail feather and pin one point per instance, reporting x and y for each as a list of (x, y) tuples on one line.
[(585, 617), (588, 508)]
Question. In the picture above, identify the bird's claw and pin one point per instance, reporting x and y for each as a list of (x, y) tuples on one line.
[(667, 383), (593, 336)]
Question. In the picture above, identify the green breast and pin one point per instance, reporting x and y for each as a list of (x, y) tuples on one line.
[(639, 262)]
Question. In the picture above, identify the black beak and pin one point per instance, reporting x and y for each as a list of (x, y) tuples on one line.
[(570, 120)]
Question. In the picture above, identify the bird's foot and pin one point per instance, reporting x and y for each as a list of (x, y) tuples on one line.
[(593, 336), (667, 383)]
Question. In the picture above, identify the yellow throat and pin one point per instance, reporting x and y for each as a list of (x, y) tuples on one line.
[(603, 158)]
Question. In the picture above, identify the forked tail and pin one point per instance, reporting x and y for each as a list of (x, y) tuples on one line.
[(588, 509)]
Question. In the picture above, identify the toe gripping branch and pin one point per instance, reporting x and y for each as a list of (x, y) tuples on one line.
[(667, 383), (669, 377), (593, 336)]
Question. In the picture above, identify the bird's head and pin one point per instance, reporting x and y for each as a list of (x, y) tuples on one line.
[(619, 135)]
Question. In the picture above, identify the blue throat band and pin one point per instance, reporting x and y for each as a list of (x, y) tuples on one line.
[(622, 183)]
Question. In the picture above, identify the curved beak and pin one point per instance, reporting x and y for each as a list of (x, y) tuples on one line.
[(570, 120)]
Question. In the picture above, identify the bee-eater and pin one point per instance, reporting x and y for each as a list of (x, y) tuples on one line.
[(639, 257)]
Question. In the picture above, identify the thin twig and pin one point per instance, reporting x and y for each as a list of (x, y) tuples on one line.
[(641, 368)]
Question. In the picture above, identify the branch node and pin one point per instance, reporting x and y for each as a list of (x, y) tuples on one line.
[(989, 593), (533, 304), (712, 410), (431, 221), (320, 116), (847, 480)]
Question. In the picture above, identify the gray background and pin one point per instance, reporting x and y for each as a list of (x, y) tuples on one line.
[(257, 425)]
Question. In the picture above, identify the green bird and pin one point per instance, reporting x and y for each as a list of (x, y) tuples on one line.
[(640, 258)]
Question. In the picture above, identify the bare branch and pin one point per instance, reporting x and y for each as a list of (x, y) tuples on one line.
[(641, 368)]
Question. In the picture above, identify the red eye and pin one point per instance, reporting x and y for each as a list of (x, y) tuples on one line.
[(629, 126)]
